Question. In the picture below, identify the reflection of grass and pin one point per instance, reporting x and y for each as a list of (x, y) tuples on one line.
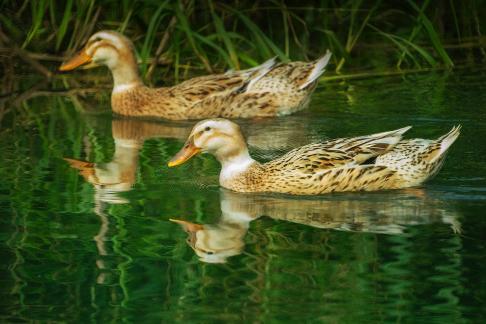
[(123, 267), (208, 35), (333, 276)]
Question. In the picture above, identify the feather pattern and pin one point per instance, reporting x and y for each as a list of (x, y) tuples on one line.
[(269, 89), (365, 163)]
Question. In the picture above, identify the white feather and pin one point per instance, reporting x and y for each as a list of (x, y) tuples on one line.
[(237, 165), (448, 139), (123, 87), (318, 70)]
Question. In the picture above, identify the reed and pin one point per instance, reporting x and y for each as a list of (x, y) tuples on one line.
[(191, 37)]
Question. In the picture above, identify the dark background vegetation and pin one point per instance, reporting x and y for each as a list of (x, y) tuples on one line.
[(190, 37)]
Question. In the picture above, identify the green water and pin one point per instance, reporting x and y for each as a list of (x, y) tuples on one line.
[(101, 248)]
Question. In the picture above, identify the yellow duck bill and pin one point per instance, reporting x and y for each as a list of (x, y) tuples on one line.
[(187, 152), (79, 59)]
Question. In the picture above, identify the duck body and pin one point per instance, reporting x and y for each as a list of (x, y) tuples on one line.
[(267, 90), (366, 163)]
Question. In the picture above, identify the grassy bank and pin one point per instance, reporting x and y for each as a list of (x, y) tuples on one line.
[(192, 37)]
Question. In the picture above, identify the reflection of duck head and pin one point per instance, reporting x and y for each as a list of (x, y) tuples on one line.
[(370, 212), (119, 175), (215, 243), (113, 177)]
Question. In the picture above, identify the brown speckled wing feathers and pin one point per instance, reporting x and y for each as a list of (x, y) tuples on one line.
[(341, 152)]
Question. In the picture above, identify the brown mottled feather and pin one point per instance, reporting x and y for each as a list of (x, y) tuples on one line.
[(365, 163), (213, 96), (266, 90)]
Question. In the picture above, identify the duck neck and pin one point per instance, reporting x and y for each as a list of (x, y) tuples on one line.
[(125, 75), (126, 152), (235, 164)]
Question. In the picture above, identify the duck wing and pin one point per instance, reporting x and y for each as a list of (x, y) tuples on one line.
[(338, 153), (221, 85)]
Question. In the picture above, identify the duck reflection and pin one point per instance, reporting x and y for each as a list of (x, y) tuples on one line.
[(119, 175), (368, 212), (100, 238)]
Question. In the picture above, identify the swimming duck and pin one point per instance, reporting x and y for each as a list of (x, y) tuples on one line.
[(372, 162), (267, 90)]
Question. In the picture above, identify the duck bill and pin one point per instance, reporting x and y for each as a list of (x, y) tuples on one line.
[(191, 229), (187, 152), (188, 226), (79, 59)]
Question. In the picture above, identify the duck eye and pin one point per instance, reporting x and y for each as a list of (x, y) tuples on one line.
[(209, 253), (207, 129)]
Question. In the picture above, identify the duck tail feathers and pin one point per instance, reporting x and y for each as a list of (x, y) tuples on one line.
[(318, 70), (448, 139), (267, 64)]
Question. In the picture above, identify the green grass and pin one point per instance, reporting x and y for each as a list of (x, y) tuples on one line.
[(194, 37)]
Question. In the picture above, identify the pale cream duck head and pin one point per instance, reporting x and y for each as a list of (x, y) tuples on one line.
[(219, 137), (111, 49)]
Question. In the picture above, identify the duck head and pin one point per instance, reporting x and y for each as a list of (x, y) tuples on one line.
[(219, 137), (111, 49)]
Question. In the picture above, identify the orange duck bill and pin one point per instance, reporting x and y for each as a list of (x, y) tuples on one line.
[(187, 152), (79, 59), (188, 226), (191, 229)]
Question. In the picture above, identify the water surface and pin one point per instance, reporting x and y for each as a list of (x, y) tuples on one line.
[(97, 245)]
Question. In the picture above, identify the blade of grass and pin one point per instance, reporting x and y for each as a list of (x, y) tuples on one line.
[(264, 43), (336, 47), (154, 23), (38, 9), (83, 9), (124, 24), (415, 31), (434, 37), (456, 22), (352, 39), (52, 14), (285, 21), (403, 43), (64, 23), (162, 45), (207, 40), (184, 25), (223, 35)]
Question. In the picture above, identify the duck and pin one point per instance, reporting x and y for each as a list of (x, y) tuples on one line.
[(129, 134), (268, 90), (365, 163), (217, 241)]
